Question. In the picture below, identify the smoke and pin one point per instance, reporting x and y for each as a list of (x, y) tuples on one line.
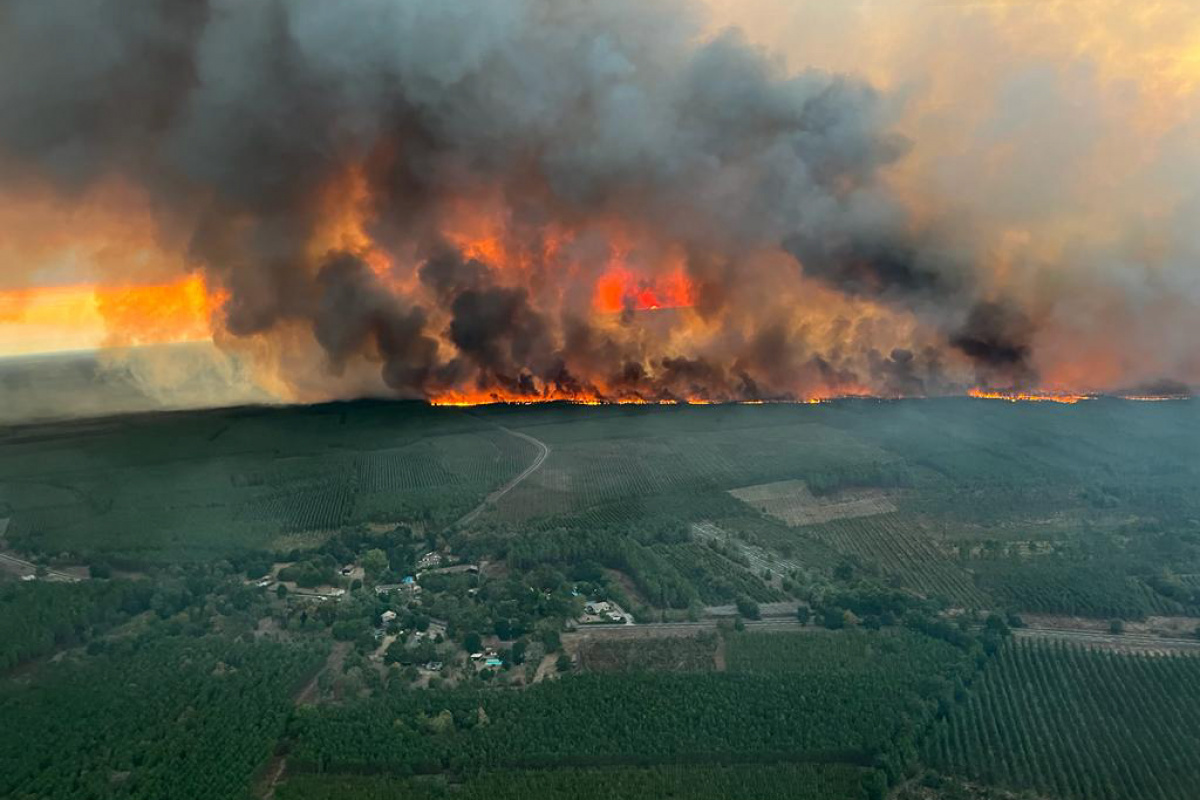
[(433, 194)]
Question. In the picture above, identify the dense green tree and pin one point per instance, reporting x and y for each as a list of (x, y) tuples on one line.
[(374, 562), (747, 607)]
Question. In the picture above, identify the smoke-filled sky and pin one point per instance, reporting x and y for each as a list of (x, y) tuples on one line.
[(617, 199)]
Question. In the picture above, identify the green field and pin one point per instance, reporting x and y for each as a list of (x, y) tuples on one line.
[(886, 547), (1081, 724), (199, 485), (751, 782), (856, 698), (993, 503), (177, 718)]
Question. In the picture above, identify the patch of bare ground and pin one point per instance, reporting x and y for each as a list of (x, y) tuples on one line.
[(785, 609), (333, 664), (272, 774), (276, 768), (759, 559), (794, 504), (1121, 643), (1170, 627), (1153, 636), (547, 668)]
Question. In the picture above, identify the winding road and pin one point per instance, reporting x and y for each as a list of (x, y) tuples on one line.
[(491, 499)]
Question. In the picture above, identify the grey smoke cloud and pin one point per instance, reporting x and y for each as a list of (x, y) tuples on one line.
[(238, 116)]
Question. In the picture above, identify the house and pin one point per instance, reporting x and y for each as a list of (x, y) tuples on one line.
[(388, 616), (430, 560), (493, 662), (597, 607)]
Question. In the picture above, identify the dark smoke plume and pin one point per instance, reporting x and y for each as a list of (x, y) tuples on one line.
[(592, 122)]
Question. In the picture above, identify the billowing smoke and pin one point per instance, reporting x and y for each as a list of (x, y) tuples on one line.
[(518, 198)]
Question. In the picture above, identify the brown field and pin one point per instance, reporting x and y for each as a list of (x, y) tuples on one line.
[(792, 503)]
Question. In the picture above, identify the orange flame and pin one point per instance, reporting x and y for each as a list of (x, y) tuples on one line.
[(56, 318), (619, 289), (1028, 397)]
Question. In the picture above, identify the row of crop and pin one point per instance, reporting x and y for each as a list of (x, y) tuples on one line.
[(174, 718), (1079, 724), (836, 712), (1065, 587), (697, 782), (894, 544)]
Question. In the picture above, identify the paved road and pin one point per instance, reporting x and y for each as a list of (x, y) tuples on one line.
[(17, 562), (491, 499)]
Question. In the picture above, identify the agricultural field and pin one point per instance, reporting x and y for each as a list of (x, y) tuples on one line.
[(698, 782), (900, 547), (858, 698), (637, 654), (824, 601), (197, 485), (177, 718), (792, 503), (1075, 723)]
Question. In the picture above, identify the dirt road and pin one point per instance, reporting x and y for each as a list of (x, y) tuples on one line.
[(1124, 642), (277, 767), (491, 499)]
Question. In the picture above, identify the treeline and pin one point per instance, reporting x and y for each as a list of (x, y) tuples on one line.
[(38, 617), (1075, 723), (695, 782), (875, 475), (162, 719), (668, 569), (1061, 586)]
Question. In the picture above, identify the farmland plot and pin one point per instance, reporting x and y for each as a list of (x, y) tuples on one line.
[(794, 504), (1078, 723), (898, 547), (582, 474)]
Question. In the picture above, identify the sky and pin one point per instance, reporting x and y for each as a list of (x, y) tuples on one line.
[(1050, 146)]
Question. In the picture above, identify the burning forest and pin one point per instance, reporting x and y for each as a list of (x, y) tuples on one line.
[(527, 200)]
